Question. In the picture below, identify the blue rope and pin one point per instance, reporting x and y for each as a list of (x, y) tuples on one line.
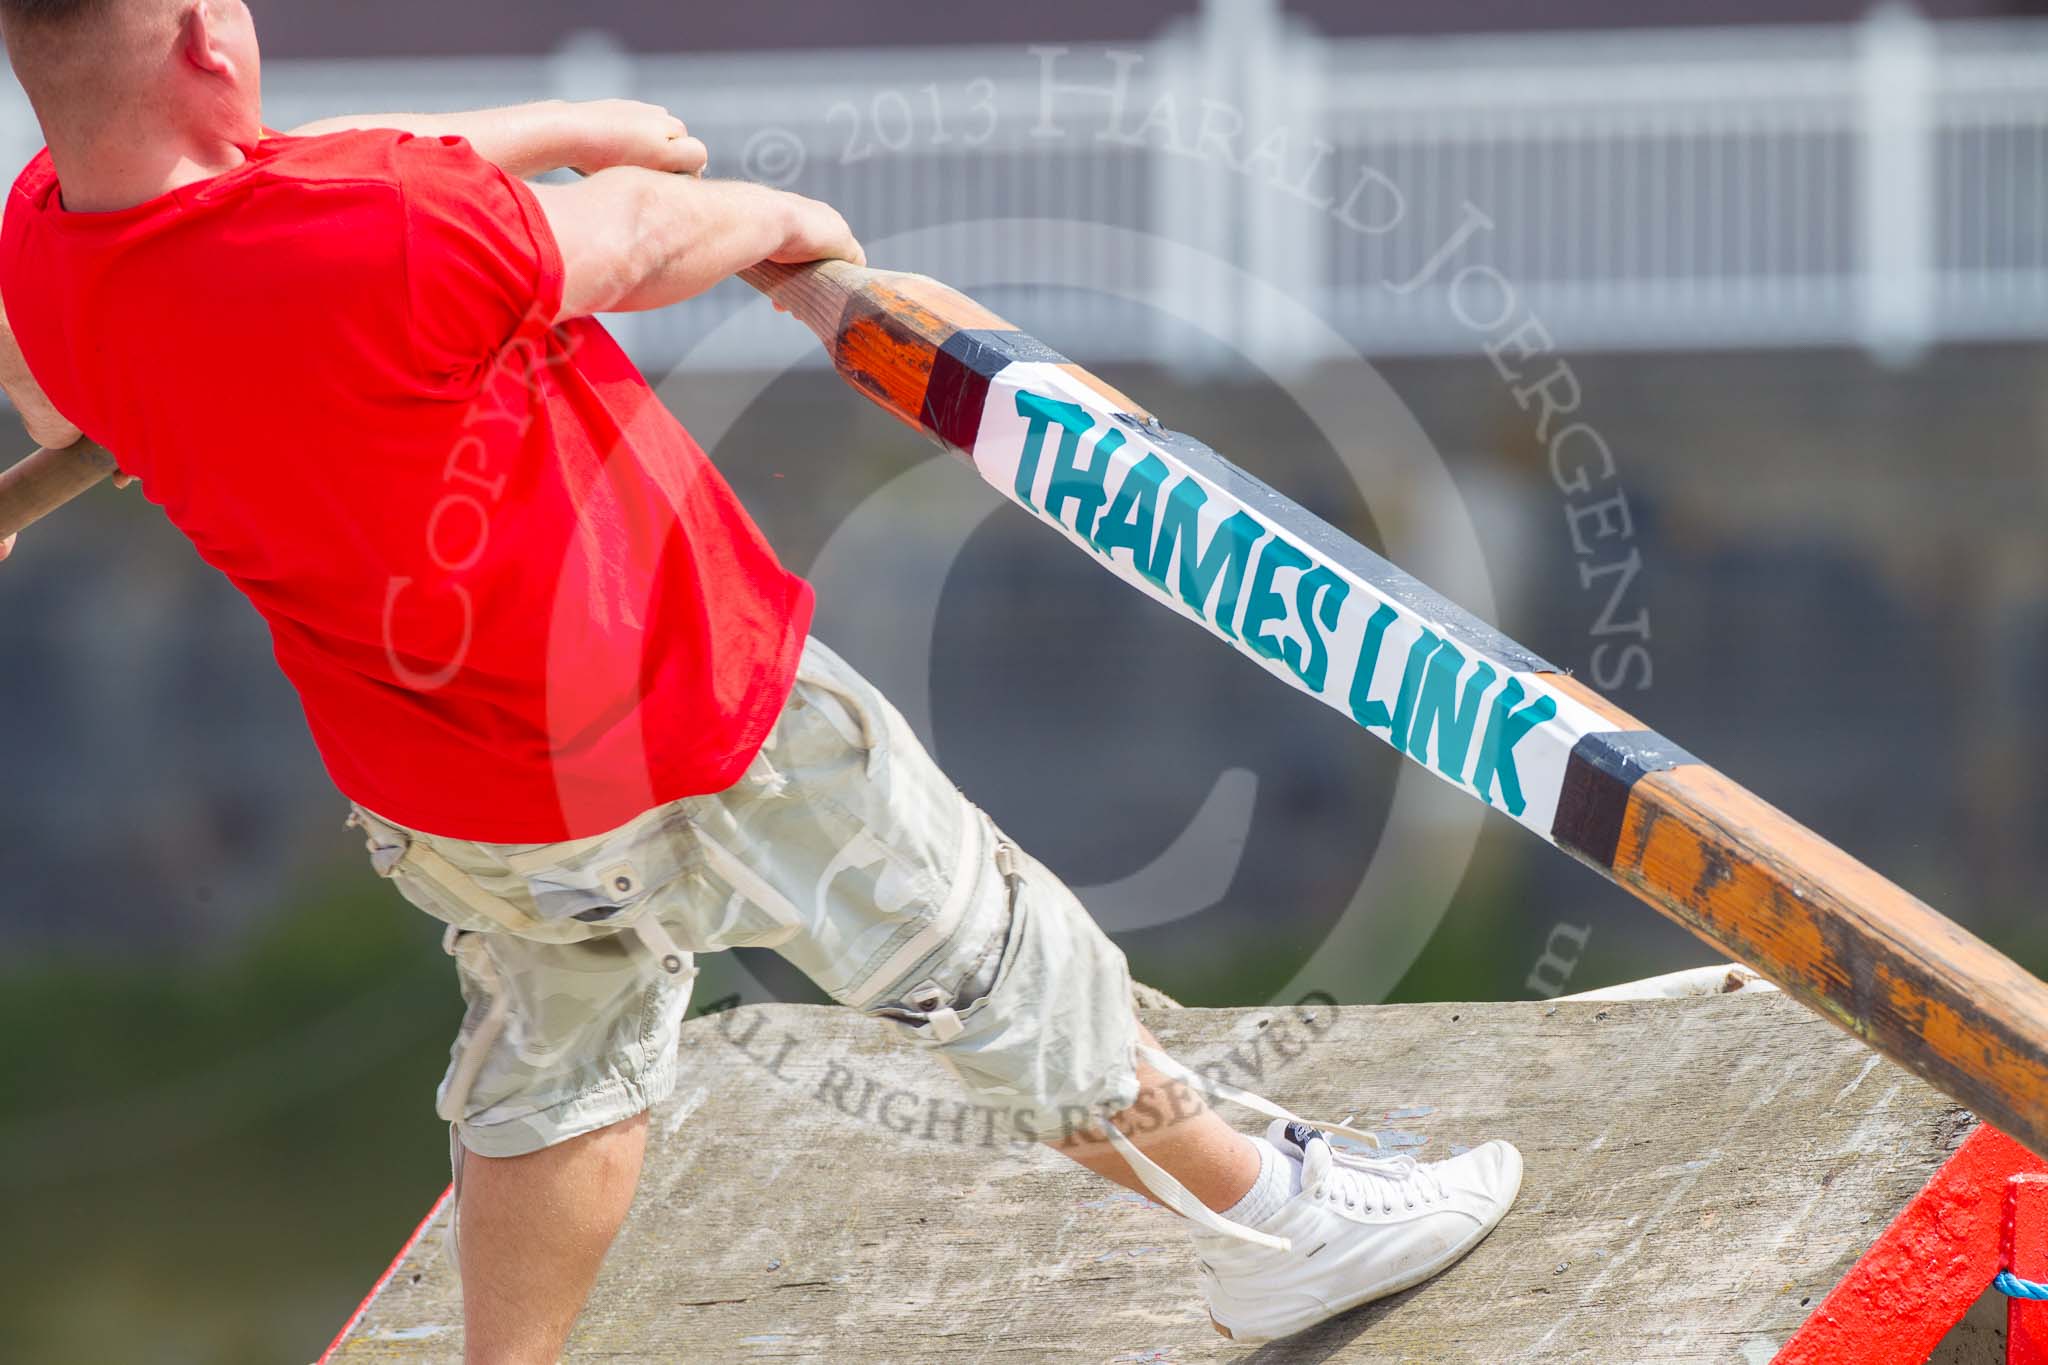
[(2013, 1287)]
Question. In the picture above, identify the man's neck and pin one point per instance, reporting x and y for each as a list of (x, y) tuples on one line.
[(106, 178)]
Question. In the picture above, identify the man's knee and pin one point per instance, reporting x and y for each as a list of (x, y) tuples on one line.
[(1046, 1034)]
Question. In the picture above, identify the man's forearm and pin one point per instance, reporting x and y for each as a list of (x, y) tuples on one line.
[(522, 139), (703, 231), (634, 240)]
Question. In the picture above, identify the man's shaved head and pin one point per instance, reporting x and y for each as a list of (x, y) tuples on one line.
[(53, 13), (66, 50), (117, 83), (57, 30)]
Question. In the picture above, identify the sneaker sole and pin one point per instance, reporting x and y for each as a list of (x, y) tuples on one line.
[(1428, 1271)]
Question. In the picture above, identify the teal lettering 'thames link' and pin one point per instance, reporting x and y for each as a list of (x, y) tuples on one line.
[(1153, 528), (1370, 713), (1081, 485), (1263, 606), (1147, 518), (1429, 705), (1042, 414), (1132, 520), (1411, 685), (1075, 482), (1318, 601), (1438, 708), (1319, 598), (1226, 556), (1507, 728), (1156, 519)]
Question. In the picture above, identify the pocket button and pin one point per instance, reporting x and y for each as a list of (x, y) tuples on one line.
[(940, 1017)]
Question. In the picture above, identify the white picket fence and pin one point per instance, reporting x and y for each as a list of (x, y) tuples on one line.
[(1881, 185)]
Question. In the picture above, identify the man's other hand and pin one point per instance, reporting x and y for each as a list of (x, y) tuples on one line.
[(628, 133), (818, 233)]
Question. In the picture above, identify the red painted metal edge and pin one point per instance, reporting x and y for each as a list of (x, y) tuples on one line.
[(2024, 1251), (1923, 1273), (390, 1274)]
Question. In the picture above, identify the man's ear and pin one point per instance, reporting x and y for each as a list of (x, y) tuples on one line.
[(199, 43)]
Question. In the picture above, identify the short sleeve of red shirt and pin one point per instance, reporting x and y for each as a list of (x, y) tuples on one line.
[(481, 262)]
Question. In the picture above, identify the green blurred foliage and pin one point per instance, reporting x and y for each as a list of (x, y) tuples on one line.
[(211, 1163)]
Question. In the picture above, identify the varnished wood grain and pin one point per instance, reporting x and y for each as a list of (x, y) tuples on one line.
[(883, 329), (814, 295), (1837, 936), (1875, 960), (1699, 1172)]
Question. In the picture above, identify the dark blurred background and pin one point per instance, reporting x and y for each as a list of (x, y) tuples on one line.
[(1794, 260)]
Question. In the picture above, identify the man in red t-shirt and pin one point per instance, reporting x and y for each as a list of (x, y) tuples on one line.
[(554, 665)]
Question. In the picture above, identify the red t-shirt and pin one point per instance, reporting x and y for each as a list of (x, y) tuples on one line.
[(518, 602)]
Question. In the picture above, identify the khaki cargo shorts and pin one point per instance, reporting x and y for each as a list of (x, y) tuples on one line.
[(844, 849)]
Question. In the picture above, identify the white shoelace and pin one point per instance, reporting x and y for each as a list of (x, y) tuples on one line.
[(1174, 1195), (1358, 1182)]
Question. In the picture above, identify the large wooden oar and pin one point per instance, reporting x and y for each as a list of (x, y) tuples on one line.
[(1326, 615), (48, 479)]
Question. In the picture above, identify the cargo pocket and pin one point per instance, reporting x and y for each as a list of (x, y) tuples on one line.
[(482, 1026), (936, 1012), (618, 881), (898, 836), (607, 881)]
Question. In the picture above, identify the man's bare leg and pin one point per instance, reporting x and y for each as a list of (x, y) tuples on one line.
[(1170, 1124), (535, 1229), (533, 1232)]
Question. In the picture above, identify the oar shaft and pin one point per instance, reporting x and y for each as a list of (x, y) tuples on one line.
[(1642, 812), (1639, 810), (46, 480)]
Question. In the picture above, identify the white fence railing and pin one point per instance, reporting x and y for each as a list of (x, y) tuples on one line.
[(1883, 184)]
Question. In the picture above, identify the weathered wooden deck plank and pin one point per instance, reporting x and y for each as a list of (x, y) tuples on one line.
[(1698, 1170)]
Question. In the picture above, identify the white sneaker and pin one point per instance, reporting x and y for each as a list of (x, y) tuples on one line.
[(1361, 1228)]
